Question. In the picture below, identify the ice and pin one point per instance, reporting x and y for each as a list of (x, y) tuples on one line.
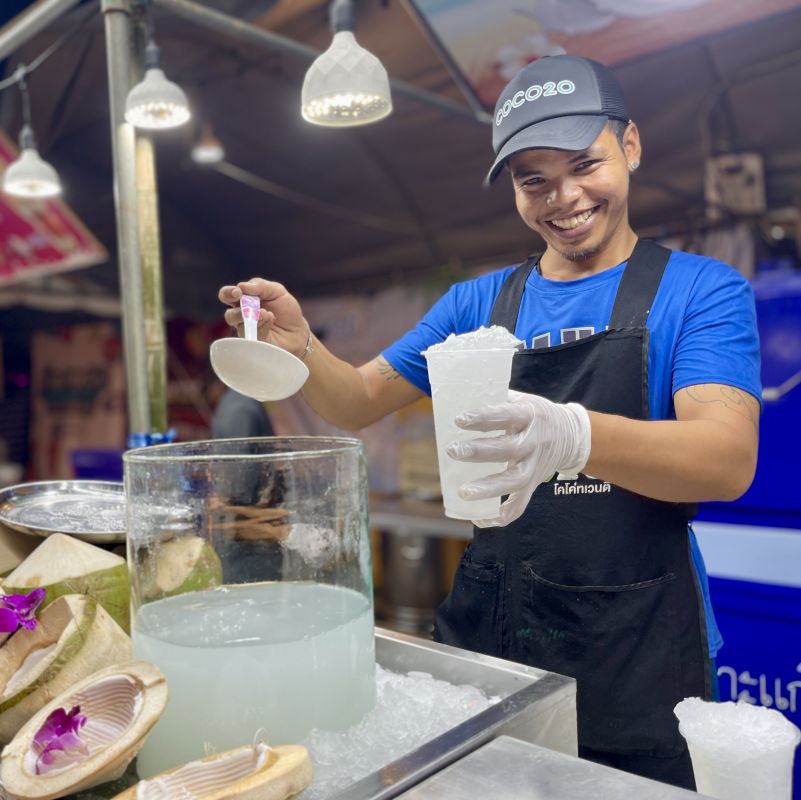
[(315, 544), (410, 710), (739, 751), (467, 373), (496, 336), (740, 728)]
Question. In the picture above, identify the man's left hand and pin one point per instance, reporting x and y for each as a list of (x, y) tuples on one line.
[(540, 438)]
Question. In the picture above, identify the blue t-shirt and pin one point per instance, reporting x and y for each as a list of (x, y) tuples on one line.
[(702, 330)]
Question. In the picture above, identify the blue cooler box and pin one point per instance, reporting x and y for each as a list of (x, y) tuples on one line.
[(755, 585)]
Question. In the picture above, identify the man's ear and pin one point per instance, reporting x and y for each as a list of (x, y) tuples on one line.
[(632, 148)]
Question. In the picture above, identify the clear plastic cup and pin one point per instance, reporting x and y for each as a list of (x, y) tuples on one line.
[(739, 751), (467, 372)]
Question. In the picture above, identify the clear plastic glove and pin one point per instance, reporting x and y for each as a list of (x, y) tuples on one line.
[(540, 438)]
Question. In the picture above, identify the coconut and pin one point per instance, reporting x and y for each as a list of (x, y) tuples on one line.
[(73, 638), (246, 773), (121, 704), (14, 548), (186, 564), (63, 565)]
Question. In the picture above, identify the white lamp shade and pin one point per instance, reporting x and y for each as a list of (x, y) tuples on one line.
[(30, 176), (345, 86), (156, 103)]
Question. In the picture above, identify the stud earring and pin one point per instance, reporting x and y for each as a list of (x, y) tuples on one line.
[(634, 164)]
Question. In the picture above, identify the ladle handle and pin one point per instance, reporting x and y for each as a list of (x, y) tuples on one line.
[(251, 308)]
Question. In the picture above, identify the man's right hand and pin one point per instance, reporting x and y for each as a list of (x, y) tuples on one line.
[(281, 321), (344, 395)]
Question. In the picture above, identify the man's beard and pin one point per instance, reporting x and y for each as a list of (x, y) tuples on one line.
[(581, 255)]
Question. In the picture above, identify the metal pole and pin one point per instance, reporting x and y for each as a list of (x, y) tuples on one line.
[(150, 249), (26, 25), (236, 28), (117, 17)]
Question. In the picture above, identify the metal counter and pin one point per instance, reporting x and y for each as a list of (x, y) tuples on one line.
[(537, 706), (406, 516), (514, 770)]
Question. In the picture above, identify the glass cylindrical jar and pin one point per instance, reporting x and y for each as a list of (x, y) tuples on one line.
[(251, 589)]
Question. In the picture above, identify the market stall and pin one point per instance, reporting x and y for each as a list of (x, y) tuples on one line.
[(212, 529)]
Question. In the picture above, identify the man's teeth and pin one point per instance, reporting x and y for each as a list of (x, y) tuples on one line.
[(572, 222)]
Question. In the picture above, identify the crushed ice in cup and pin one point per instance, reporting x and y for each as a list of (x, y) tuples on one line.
[(410, 710), (493, 338), (741, 728)]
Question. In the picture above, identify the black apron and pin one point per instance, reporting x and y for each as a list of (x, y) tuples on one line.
[(594, 581)]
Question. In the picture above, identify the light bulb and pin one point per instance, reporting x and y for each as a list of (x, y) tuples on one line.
[(209, 149), (345, 86), (30, 176), (156, 103)]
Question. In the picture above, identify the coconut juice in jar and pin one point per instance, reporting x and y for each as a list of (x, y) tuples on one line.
[(278, 657), (263, 626)]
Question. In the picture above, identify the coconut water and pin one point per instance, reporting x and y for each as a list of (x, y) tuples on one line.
[(280, 658)]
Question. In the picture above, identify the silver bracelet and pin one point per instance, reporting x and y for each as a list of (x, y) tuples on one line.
[(308, 349)]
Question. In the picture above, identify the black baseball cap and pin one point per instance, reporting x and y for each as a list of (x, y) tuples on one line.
[(557, 103)]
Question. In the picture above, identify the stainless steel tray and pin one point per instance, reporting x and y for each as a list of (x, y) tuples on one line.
[(537, 707), (90, 510), (513, 770)]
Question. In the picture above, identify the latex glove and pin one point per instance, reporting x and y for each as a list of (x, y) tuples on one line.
[(540, 438)]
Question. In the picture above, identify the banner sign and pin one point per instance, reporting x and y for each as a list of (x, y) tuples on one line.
[(77, 396), (486, 44), (40, 237)]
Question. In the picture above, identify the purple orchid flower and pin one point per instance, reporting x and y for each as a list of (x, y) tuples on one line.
[(59, 734), (19, 610)]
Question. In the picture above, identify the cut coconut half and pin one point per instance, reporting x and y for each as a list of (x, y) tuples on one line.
[(121, 704), (186, 564), (73, 638), (63, 565), (246, 773), (15, 547)]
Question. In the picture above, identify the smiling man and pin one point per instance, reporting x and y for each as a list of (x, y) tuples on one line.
[(634, 399), (577, 202)]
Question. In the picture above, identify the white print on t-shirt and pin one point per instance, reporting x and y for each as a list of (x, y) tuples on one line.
[(582, 488)]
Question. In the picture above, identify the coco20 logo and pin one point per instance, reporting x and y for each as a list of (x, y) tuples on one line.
[(534, 92)]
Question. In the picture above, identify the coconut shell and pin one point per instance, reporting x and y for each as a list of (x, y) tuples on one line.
[(232, 775), (121, 703), (74, 637), (62, 565), (184, 564), (15, 547)]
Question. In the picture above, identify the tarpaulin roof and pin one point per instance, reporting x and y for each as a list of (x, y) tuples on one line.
[(325, 210)]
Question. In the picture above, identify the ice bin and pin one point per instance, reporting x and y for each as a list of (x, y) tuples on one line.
[(537, 707)]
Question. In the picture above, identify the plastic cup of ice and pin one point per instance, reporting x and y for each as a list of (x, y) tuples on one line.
[(468, 371), (739, 751)]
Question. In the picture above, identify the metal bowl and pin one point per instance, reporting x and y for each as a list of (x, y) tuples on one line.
[(90, 510)]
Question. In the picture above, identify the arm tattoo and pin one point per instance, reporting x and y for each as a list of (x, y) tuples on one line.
[(385, 369), (735, 400)]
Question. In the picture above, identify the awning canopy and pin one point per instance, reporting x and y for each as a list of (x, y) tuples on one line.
[(326, 210)]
